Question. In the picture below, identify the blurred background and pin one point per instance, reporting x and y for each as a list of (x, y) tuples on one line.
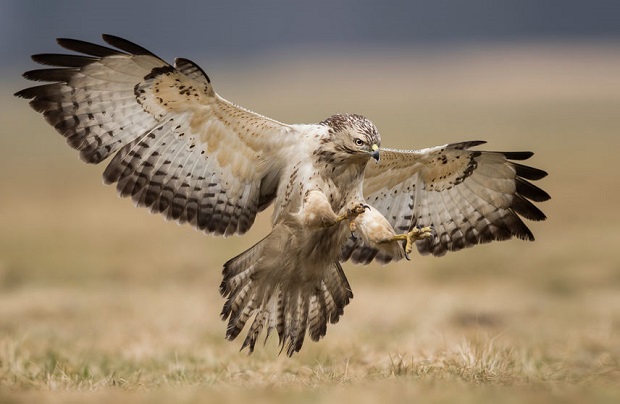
[(85, 277)]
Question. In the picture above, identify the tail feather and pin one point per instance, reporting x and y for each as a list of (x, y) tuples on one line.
[(255, 329), (291, 298), (298, 325), (330, 304), (339, 288), (280, 318), (235, 275), (318, 328)]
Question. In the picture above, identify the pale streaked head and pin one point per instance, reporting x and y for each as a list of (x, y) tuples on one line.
[(353, 135)]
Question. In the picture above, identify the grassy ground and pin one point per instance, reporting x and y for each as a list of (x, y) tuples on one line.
[(101, 301)]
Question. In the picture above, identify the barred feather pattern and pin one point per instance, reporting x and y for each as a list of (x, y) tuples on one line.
[(179, 149), (293, 301), (468, 197)]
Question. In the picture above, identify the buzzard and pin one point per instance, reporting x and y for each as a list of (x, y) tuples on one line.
[(179, 149)]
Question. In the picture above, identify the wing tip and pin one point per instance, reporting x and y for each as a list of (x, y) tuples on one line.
[(518, 155), (528, 172), (22, 94), (466, 144), (127, 46), (67, 43), (87, 48)]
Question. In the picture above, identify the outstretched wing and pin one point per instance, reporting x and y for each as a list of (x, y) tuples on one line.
[(179, 149), (469, 197)]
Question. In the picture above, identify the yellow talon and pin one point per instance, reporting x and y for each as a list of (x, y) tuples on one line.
[(352, 213), (416, 234)]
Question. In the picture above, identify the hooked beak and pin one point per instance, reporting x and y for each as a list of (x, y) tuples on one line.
[(375, 152)]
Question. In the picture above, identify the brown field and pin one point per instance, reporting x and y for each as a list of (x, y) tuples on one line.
[(101, 301)]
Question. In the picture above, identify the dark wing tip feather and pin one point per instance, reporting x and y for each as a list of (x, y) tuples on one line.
[(26, 93), (531, 191), (518, 155), (87, 48), (54, 59), (528, 172), (127, 46), (525, 234), (519, 229), (527, 209), (52, 74), (466, 145)]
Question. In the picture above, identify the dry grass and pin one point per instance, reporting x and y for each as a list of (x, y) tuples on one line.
[(100, 301)]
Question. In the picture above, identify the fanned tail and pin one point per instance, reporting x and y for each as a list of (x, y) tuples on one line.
[(265, 284)]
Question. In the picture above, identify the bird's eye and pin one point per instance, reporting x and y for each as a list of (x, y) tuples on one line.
[(359, 142)]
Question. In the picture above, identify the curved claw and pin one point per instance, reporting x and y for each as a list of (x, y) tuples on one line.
[(357, 210), (417, 233), (352, 214)]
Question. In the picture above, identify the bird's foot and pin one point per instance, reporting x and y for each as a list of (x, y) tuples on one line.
[(352, 214), (417, 233)]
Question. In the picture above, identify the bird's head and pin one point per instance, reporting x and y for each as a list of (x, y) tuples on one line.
[(353, 137)]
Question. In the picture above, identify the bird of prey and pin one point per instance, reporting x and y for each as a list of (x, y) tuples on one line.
[(179, 149)]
